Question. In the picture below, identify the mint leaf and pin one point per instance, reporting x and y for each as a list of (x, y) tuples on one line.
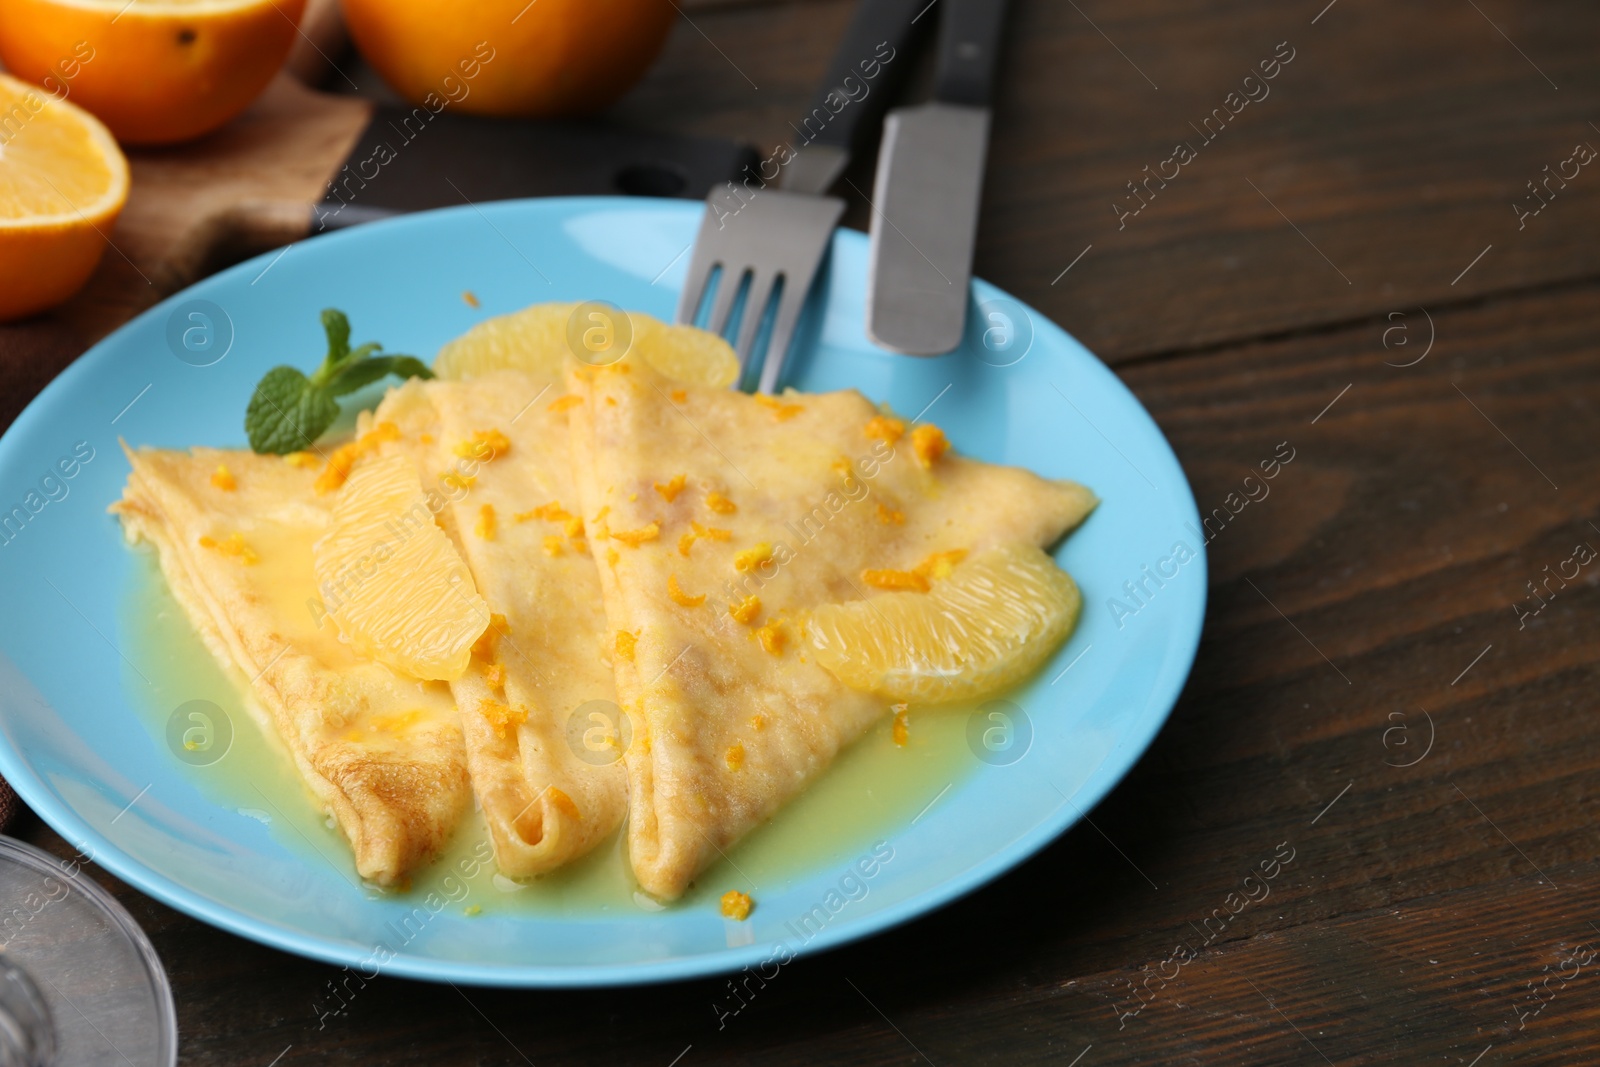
[(287, 413), (337, 326), (354, 375)]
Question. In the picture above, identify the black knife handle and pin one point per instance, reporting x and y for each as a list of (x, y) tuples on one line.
[(878, 43), (969, 51)]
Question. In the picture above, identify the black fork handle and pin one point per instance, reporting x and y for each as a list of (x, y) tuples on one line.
[(867, 70)]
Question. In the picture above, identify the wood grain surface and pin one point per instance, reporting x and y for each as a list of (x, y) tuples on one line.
[(1372, 718)]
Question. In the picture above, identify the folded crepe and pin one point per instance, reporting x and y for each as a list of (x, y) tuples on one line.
[(381, 751), (717, 520), (537, 702)]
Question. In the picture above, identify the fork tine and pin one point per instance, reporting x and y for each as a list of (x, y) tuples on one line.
[(790, 304), (702, 262), (694, 284), (776, 235), (722, 300), (755, 309)]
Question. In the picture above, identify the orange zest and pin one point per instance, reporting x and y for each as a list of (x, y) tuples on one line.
[(635, 538), (772, 636), (484, 445), (749, 559), (929, 443), (669, 490), (232, 545), (885, 428), (344, 458), (940, 564), (565, 403), (502, 715), (895, 580), (746, 610), (736, 905), (780, 411), (564, 804), (488, 643), (551, 512), (680, 597)]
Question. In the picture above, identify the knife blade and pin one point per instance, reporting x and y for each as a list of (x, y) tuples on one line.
[(927, 189)]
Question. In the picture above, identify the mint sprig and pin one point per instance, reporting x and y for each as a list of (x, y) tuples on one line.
[(289, 411)]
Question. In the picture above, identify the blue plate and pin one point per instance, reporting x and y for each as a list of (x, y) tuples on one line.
[(77, 747)]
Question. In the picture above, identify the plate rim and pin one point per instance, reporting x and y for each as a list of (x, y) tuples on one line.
[(1124, 755)]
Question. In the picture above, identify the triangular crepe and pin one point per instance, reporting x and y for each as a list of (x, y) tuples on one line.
[(381, 751), (682, 486), (550, 781)]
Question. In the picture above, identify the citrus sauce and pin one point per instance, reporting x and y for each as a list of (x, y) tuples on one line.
[(872, 791)]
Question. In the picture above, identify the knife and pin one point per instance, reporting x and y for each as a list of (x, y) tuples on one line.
[(929, 182)]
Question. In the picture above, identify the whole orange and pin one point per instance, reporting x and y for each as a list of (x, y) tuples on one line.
[(510, 57), (154, 71)]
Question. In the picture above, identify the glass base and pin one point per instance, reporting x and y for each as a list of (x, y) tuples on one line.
[(80, 984)]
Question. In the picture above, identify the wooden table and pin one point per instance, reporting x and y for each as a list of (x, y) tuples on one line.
[(1341, 268)]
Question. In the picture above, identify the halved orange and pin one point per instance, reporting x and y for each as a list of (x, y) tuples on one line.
[(63, 181), (154, 71)]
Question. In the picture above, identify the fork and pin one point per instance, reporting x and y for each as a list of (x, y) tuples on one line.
[(767, 240)]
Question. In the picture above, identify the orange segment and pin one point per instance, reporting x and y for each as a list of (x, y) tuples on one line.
[(540, 340), (392, 581), (63, 181), (988, 625)]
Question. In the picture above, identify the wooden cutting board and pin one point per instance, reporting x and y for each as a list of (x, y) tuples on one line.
[(250, 187), (280, 152)]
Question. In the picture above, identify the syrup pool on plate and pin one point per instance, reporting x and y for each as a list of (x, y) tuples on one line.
[(873, 790)]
